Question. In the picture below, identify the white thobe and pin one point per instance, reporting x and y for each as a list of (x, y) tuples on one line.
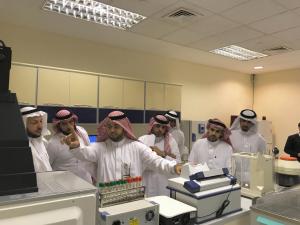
[(62, 159), (117, 160), (246, 142), (178, 135), (39, 154), (154, 181), (215, 154)]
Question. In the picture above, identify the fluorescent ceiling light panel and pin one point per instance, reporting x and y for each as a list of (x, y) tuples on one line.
[(94, 11), (237, 52), (258, 67)]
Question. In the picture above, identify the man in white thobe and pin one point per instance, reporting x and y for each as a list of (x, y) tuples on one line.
[(117, 152), (177, 134), (60, 156), (35, 122), (214, 148), (245, 138), (244, 135), (160, 141)]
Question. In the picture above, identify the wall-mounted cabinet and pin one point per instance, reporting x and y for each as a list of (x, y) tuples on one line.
[(83, 90), (172, 97), (120, 93), (163, 96), (110, 92), (133, 97), (23, 82), (63, 88), (155, 96), (67, 88), (53, 87)]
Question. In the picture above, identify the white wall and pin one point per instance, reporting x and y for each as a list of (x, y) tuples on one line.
[(277, 97), (207, 92)]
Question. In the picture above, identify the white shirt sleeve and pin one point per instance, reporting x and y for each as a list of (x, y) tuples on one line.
[(87, 153), (51, 149), (174, 150), (193, 158), (152, 160)]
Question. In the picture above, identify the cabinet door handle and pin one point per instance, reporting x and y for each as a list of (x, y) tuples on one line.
[(85, 106), (54, 104)]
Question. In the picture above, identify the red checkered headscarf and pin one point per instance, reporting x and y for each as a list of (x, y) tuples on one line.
[(119, 118), (65, 115), (219, 125), (161, 120)]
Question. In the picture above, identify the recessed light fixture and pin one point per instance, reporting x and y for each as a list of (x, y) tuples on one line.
[(94, 11), (258, 67), (237, 52)]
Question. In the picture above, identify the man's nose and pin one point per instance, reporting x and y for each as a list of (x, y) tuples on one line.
[(40, 125)]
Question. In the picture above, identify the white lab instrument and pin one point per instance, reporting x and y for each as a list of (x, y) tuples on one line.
[(288, 171), (264, 127), (173, 212), (140, 212), (277, 208), (254, 172), (62, 198), (213, 193), (193, 130)]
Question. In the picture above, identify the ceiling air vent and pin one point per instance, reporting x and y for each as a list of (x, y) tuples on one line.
[(277, 50), (182, 16), (181, 12)]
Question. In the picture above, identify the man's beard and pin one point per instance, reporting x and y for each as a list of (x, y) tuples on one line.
[(33, 135), (117, 138)]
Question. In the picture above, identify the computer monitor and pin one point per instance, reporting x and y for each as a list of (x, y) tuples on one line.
[(93, 138)]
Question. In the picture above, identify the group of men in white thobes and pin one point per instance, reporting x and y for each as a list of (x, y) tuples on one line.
[(118, 153)]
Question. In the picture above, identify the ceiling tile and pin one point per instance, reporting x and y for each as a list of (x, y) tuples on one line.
[(297, 11), (262, 43), (182, 37), (289, 4), (277, 23), (229, 37), (295, 44), (288, 35), (253, 10), (212, 25), (153, 28), (217, 5)]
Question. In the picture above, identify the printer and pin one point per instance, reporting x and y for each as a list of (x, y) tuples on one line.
[(214, 193)]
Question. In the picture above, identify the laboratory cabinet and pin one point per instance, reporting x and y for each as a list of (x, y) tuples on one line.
[(23, 81)]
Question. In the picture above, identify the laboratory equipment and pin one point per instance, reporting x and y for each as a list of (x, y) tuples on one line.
[(254, 172), (16, 165), (62, 198), (140, 212), (264, 128), (173, 212), (193, 130), (120, 191), (288, 171), (277, 208), (214, 193)]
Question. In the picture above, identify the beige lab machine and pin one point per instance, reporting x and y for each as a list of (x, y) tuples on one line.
[(254, 173), (277, 208), (62, 199)]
